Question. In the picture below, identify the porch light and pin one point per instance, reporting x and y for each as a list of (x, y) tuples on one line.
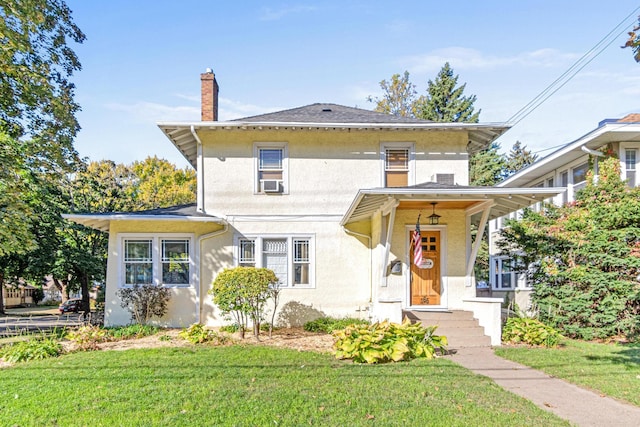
[(434, 218)]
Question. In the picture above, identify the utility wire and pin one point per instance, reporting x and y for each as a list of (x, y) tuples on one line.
[(570, 73)]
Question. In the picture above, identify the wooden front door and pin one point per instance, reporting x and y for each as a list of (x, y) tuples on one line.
[(425, 281)]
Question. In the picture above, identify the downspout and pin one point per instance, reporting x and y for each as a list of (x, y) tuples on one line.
[(353, 233), (596, 154), (200, 240), (199, 171)]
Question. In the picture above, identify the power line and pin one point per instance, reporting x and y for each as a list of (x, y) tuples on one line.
[(570, 73)]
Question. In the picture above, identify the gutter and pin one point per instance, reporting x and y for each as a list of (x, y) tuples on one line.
[(200, 240), (199, 171)]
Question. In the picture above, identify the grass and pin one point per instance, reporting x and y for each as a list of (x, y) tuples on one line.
[(253, 386), (610, 369)]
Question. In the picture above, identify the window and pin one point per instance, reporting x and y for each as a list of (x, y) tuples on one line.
[(138, 262), (503, 274), (630, 166), (175, 262), (396, 168), (157, 260), (247, 253), (271, 168), (301, 262), (397, 161), (290, 258), (564, 182), (579, 175)]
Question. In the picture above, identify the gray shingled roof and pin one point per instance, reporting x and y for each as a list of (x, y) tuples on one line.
[(329, 113)]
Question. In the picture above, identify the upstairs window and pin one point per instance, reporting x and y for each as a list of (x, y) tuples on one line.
[(397, 165), (271, 169)]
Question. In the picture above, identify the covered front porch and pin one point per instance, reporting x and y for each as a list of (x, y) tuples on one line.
[(432, 270)]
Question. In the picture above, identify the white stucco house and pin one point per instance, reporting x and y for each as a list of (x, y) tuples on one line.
[(328, 197), (567, 168)]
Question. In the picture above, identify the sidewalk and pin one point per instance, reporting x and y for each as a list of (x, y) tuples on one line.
[(579, 406)]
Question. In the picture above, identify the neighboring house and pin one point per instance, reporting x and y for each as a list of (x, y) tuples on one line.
[(328, 197), (16, 296), (566, 167)]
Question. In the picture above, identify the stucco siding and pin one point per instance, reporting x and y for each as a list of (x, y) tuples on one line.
[(325, 168)]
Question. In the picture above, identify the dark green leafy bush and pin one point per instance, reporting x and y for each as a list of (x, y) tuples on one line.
[(330, 324), (522, 330), (33, 349), (118, 333), (385, 342)]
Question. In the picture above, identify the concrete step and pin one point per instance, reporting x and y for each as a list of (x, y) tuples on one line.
[(460, 328)]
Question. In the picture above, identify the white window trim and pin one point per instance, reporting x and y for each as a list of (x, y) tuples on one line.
[(258, 238), (624, 146), (156, 256), (384, 146), (285, 165), (518, 280)]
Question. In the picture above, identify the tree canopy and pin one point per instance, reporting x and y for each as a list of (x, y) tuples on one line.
[(36, 95), (399, 96), (633, 41)]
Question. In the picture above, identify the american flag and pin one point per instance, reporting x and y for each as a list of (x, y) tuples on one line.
[(417, 244)]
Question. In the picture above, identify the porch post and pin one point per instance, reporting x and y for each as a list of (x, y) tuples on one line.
[(485, 208), (389, 208)]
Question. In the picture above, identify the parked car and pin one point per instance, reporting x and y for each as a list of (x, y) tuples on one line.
[(70, 306)]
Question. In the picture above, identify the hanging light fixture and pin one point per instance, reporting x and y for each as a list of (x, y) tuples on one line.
[(434, 218)]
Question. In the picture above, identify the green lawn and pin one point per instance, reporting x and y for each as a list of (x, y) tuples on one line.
[(252, 386), (611, 369)]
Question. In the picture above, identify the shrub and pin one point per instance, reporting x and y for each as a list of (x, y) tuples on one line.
[(385, 342), (33, 349), (144, 302), (88, 337), (199, 334), (243, 292), (522, 330), (330, 324)]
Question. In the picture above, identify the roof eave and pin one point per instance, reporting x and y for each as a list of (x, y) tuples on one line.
[(102, 222), (181, 134)]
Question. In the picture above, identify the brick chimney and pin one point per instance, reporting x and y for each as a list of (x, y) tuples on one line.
[(209, 92)]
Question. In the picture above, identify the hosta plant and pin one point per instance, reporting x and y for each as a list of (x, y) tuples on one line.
[(385, 341), (523, 330), (33, 349)]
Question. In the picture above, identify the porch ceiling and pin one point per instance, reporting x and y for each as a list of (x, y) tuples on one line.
[(504, 200)]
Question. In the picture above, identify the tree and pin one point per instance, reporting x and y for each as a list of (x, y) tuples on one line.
[(157, 183), (445, 102), (634, 41), (487, 167), (399, 96), (583, 259), (518, 158), (243, 293), (36, 96)]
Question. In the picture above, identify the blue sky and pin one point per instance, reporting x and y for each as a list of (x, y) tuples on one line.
[(142, 62)]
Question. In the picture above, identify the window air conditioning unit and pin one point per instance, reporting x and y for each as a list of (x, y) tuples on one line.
[(271, 186)]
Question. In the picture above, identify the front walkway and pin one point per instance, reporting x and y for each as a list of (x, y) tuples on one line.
[(579, 406)]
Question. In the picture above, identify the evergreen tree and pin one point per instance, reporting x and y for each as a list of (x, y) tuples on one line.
[(445, 102), (583, 259), (518, 158), (486, 167)]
